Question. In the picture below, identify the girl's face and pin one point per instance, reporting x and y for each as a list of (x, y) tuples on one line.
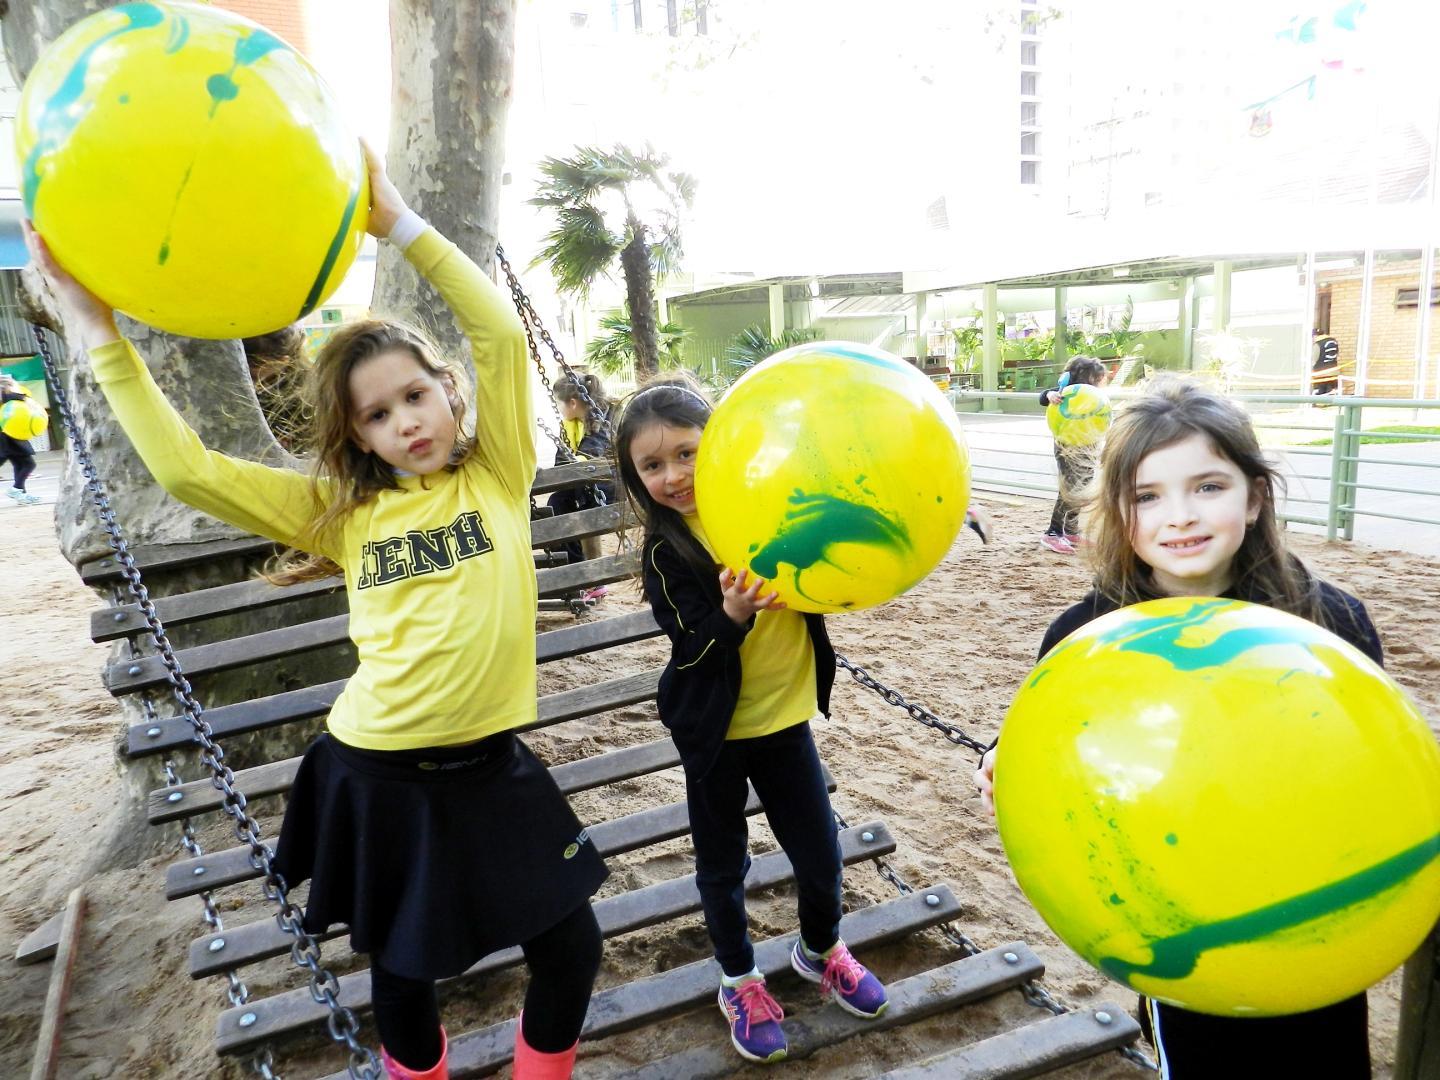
[(1191, 510), (573, 409), (664, 458), (402, 412)]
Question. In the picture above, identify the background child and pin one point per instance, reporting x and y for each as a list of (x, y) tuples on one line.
[(1186, 507), (1074, 463), (17, 452), (584, 432), (402, 813), (744, 681)]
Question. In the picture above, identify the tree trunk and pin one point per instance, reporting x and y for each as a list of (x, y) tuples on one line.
[(640, 294), (453, 78), (209, 382)]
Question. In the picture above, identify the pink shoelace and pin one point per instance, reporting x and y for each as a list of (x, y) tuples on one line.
[(756, 1003), (842, 972)]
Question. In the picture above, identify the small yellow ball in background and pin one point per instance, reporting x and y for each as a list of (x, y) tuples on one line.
[(836, 472), (191, 169), (1081, 416), (1222, 805), (23, 419)]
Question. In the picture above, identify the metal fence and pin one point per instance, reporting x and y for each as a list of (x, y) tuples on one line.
[(1338, 462)]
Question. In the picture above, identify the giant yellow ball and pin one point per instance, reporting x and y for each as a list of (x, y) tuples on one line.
[(836, 472), (23, 419), (191, 169), (1081, 416), (1224, 806)]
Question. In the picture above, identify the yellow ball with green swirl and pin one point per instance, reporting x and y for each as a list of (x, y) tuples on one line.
[(836, 472), (191, 169), (1222, 805), (1081, 416)]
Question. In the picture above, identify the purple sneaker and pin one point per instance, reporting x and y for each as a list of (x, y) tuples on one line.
[(754, 1018), (844, 979)]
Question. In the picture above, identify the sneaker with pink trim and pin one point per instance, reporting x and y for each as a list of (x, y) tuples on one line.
[(754, 1017), (1057, 544), (842, 978), (1077, 541)]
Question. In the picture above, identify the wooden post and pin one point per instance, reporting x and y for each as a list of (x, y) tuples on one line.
[(1417, 1049), (47, 1044)]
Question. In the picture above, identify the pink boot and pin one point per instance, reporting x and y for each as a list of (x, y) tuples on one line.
[(531, 1064), (439, 1071)]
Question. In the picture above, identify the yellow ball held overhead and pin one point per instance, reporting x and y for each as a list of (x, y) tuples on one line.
[(23, 419), (191, 169), (1081, 416), (836, 472), (1222, 805)]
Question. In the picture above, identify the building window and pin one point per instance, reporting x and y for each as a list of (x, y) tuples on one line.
[(1029, 113), (1030, 143), (579, 19), (1028, 51), (1411, 297), (1029, 172), (1029, 82)]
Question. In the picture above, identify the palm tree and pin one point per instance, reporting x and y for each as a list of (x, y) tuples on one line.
[(613, 204), (753, 345), (613, 353)]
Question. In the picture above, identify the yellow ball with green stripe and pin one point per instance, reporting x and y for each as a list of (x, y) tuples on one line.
[(1224, 806), (23, 419), (1081, 416), (191, 169), (836, 472)]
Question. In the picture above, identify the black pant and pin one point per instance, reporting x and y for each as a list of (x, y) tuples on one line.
[(24, 465), (1075, 472), (562, 961), (1333, 1042), (786, 773), (569, 500)]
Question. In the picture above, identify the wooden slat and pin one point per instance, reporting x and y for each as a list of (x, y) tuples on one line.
[(200, 796), (165, 558), (146, 672), (1031, 1050), (41, 943), (665, 900), (174, 731), (588, 574), (572, 475), (110, 623), (52, 1017), (188, 877), (168, 557), (577, 526), (916, 998)]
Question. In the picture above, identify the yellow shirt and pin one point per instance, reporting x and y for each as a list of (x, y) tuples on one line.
[(574, 432), (439, 573), (777, 669)]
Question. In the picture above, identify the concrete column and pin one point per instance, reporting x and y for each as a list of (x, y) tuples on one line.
[(777, 309), (1062, 344), (662, 309), (1185, 318), (922, 337), (990, 344), (1221, 321)]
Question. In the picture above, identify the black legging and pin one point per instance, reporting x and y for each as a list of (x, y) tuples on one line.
[(24, 466), (1075, 467), (562, 961)]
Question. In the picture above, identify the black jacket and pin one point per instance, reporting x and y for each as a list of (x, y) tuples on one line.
[(701, 684)]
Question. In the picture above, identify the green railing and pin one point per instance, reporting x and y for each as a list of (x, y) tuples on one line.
[(1013, 452)]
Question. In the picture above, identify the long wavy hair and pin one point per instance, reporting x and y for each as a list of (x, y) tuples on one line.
[(342, 476), (678, 402), (1264, 570)]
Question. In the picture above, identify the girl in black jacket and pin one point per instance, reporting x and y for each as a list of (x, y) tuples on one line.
[(744, 681)]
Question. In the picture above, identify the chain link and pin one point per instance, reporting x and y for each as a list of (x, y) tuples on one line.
[(917, 711), (343, 1025)]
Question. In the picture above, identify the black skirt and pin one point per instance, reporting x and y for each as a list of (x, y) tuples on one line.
[(434, 857)]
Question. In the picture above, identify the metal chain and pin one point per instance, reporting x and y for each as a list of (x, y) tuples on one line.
[(1033, 991), (917, 712), (324, 988)]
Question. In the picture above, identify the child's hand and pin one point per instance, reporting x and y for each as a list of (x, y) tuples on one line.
[(985, 781), (93, 316), (742, 596), (386, 205)]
